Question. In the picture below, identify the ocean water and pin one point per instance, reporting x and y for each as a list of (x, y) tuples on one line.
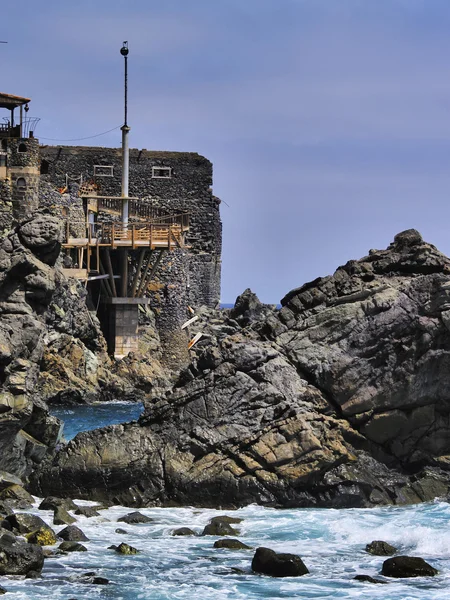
[(85, 417), (331, 543)]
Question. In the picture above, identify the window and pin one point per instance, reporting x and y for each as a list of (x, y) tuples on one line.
[(23, 147), (3, 156), (21, 184), (161, 172), (44, 167), (103, 171)]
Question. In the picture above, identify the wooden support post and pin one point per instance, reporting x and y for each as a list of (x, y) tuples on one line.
[(138, 272), (110, 273), (124, 273), (133, 245), (155, 266), (67, 231), (88, 259), (105, 282), (112, 235), (144, 275), (98, 253)]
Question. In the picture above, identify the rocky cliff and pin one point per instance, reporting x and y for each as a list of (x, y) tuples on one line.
[(342, 398)]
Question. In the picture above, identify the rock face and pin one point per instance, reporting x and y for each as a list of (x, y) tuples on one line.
[(342, 398)]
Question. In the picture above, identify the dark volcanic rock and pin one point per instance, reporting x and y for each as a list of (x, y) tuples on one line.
[(231, 544), (51, 503), (126, 549), (72, 533), (87, 511), (368, 579), (341, 398), (219, 528), (134, 518), (26, 523), (20, 558), (183, 531), (62, 517), (379, 548), (407, 566), (72, 547), (269, 562)]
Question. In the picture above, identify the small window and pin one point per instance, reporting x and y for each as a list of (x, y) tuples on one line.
[(65, 211), (161, 172), (23, 147), (3, 156), (21, 184), (103, 171), (4, 145), (44, 167)]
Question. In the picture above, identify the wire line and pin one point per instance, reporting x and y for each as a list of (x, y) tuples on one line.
[(89, 137)]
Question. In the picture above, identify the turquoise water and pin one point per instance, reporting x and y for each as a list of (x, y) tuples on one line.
[(331, 543), (91, 416)]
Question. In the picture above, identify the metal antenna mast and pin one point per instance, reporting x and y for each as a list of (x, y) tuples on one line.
[(125, 147)]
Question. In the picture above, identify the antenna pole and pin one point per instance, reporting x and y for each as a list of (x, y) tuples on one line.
[(125, 147)]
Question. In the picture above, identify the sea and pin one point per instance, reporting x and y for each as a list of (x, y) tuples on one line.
[(331, 543)]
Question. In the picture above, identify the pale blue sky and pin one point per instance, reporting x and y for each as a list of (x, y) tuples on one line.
[(328, 121)]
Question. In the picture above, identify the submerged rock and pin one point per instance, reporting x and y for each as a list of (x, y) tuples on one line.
[(407, 566), (72, 547), (269, 562), (183, 531), (231, 544), (126, 549), (380, 548), (134, 518), (368, 579)]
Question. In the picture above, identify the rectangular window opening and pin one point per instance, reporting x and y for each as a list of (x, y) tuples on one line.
[(161, 172), (103, 171)]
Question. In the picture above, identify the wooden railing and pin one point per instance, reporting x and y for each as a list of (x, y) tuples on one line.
[(165, 231)]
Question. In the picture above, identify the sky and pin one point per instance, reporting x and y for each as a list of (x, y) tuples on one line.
[(327, 121)]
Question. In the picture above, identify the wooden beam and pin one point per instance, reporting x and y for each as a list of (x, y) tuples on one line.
[(105, 282), (144, 275), (124, 273), (138, 272), (153, 271), (110, 272)]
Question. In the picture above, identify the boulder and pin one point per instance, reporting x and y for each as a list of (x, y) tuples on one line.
[(52, 503), (20, 558), (72, 533), (27, 523), (126, 549), (269, 562), (380, 548), (72, 547), (134, 518), (231, 544), (183, 531), (17, 497), (219, 528), (87, 511), (407, 566), (368, 579), (62, 517)]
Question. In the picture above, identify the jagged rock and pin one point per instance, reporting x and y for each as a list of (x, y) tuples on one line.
[(20, 558), (62, 517), (231, 544), (341, 398), (2, 591), (126, 549), (248, 308), (72, 533), (226, 519), (219, 528), (27, 523), (52, 503), (134, 518), (121, 531), (87, 511), (379, 548), (368, 579), (72, 547), (17, 497), (407, 566), (269, 562), (183, 531)]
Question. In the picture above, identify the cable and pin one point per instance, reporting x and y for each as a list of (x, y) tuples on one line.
[(89, 137)]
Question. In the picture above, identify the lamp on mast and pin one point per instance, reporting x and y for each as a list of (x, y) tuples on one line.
[(125, 147)]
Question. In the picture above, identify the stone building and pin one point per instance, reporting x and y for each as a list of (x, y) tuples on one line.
[(82, 185)]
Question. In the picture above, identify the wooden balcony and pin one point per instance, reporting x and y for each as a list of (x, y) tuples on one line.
[(161, 233)]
